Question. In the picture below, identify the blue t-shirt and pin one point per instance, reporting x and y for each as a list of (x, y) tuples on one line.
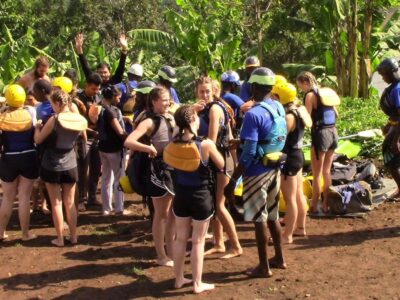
[(124, 96), (234, 101), (245, 91), (395, 95), (44, 111), (174, 95), (256, 125)]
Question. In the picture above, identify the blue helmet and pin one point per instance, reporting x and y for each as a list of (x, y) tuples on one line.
[(231, 76)]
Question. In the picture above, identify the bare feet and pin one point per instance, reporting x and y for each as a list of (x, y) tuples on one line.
[(202, 287), (72, 240), (46, 211), (165, 262), (4, 237), (181, 282), (299, 231), (287, 240), (232, 253), (209, 236), (58, 243), (214, 250), (259, 272), (28, 237), (277, 263)]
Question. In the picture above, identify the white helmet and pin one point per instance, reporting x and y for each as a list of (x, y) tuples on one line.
[(136, 69)]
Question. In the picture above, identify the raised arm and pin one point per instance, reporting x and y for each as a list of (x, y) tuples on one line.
[(119, 72), (79, 39)]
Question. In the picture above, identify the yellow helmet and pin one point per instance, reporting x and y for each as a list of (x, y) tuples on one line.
[(64, 83), (15, 95), (286, 92), (280, 79)]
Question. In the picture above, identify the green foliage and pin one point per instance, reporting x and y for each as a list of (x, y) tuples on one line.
[(356, 115)]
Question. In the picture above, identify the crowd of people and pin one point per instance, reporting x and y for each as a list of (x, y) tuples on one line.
[(58, 139)]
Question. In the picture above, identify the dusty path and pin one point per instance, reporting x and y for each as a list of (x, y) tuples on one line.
[(340, 259)]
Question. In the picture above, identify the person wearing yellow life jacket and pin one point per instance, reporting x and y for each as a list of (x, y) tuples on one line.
[(215, 124), (324, 138), (193, 202), (69, 86), (156, 126), (59, 165), (297, 119), (18, 161)]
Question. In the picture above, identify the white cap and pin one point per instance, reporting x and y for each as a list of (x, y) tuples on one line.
[(136, 69)]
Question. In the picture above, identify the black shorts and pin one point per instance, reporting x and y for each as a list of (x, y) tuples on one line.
[(324, 139), (193, 202), (294, 162), (59, 177), (160, 183), (25, 164)]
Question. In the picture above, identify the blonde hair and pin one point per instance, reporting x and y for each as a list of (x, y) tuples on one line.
[(216, 86), (61, 98), (306, 76)]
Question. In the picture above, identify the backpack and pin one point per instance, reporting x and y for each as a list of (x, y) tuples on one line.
[(276, 138), (222, 142), (138, 169), (354, 197), (341, 174)]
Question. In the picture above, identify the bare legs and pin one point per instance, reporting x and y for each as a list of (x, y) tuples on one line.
[(320, 166), (289, 191), (295, 216), (263, 269), (60, 194), (163, 229), (197, 254), (23, 186), (224, 221)]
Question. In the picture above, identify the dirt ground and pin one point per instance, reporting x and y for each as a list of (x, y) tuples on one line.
[(341, 258)]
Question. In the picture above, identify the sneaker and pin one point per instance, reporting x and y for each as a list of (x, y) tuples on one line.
[(123, 213), (106, 213)]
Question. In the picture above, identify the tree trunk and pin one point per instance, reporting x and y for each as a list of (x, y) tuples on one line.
[(353, 53), (340, 65), (257, 8), (365, 62)]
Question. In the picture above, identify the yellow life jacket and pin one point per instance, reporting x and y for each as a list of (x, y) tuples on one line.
[(72, 121), (15, 120), (184, 156), (328, 96), (304, 116)]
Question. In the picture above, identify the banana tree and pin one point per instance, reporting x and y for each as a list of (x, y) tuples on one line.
[(18, 56), (206, 35)]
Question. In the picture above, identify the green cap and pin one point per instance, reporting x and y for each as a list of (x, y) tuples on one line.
[(262, 76), (145, 87)]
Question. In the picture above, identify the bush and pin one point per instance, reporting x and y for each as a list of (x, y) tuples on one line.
[(356, 115)]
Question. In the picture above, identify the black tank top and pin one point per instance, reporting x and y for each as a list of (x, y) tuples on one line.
[(294, 139)]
